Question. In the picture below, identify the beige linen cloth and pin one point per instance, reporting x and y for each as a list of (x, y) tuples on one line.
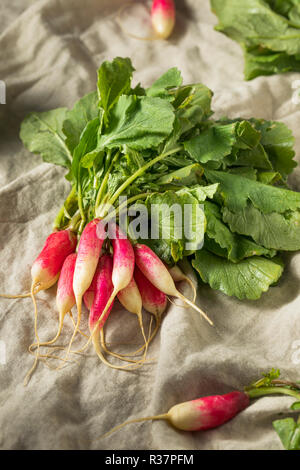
[(49, 57)]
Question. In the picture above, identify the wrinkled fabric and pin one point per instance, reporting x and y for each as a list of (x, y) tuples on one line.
[(50, 52)]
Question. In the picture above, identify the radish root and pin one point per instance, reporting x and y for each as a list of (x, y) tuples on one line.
[(132, 421)]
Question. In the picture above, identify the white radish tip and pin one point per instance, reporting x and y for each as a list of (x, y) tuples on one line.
[(163, 25)]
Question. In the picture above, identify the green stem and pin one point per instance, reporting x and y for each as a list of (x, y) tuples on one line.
[(61, 212), (105, 179), (80, 205), (262, 391), (115, 212), (139, 172)]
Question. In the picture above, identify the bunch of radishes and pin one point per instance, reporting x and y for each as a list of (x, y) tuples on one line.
[(102, 266)]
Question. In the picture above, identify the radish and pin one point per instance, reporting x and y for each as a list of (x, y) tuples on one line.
[(163, 17), (201, 414), (88, 299), (131, 300), (157, 273), (213, 411), (154, 301), (123, 264), (45, 272), (89, 249), (45, 269), (100, 310), (103, 290), (65, 299), (178, 276)]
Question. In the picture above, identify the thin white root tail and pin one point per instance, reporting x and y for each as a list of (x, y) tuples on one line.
[(133, 421), (30, 372), (195, 307)]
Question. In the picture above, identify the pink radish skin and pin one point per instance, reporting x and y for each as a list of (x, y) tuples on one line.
[(208, 412), (89, 249), (157, 273), (45, 269), (154, 301), (65, 298), (103, 290), (123, 263), (201, 414), (100, 310), (163, 17)]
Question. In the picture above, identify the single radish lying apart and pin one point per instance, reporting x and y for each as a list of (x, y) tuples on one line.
[(201, 414), (213, 411), (45, 269), (157, 273), (163, 17)]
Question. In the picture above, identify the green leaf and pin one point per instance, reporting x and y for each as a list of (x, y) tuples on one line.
[(212, 145), (229, 245), (42, 134), (188, 175), (177, 219), (236, 191), (267, 30), (87, 143), (278, 141), (160, 88), (193, 105), (139, 123), (260, 61), (247, 279), (216, 143), (289, 432), (295, 406), (85, 110), (272, 230), (253, 23), (114, 80)]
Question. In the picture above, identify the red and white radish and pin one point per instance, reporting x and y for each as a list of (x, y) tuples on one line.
[(65, 299), (157, 273), (103, 292), (123, 263), (154, 300), (178, 275), (131, 300), (46, 268), (45, 272), (201, 414), (88, 253), (163, 17)]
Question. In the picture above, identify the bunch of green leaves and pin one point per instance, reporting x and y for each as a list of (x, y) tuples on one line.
[(161, 148), (268, 31)]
